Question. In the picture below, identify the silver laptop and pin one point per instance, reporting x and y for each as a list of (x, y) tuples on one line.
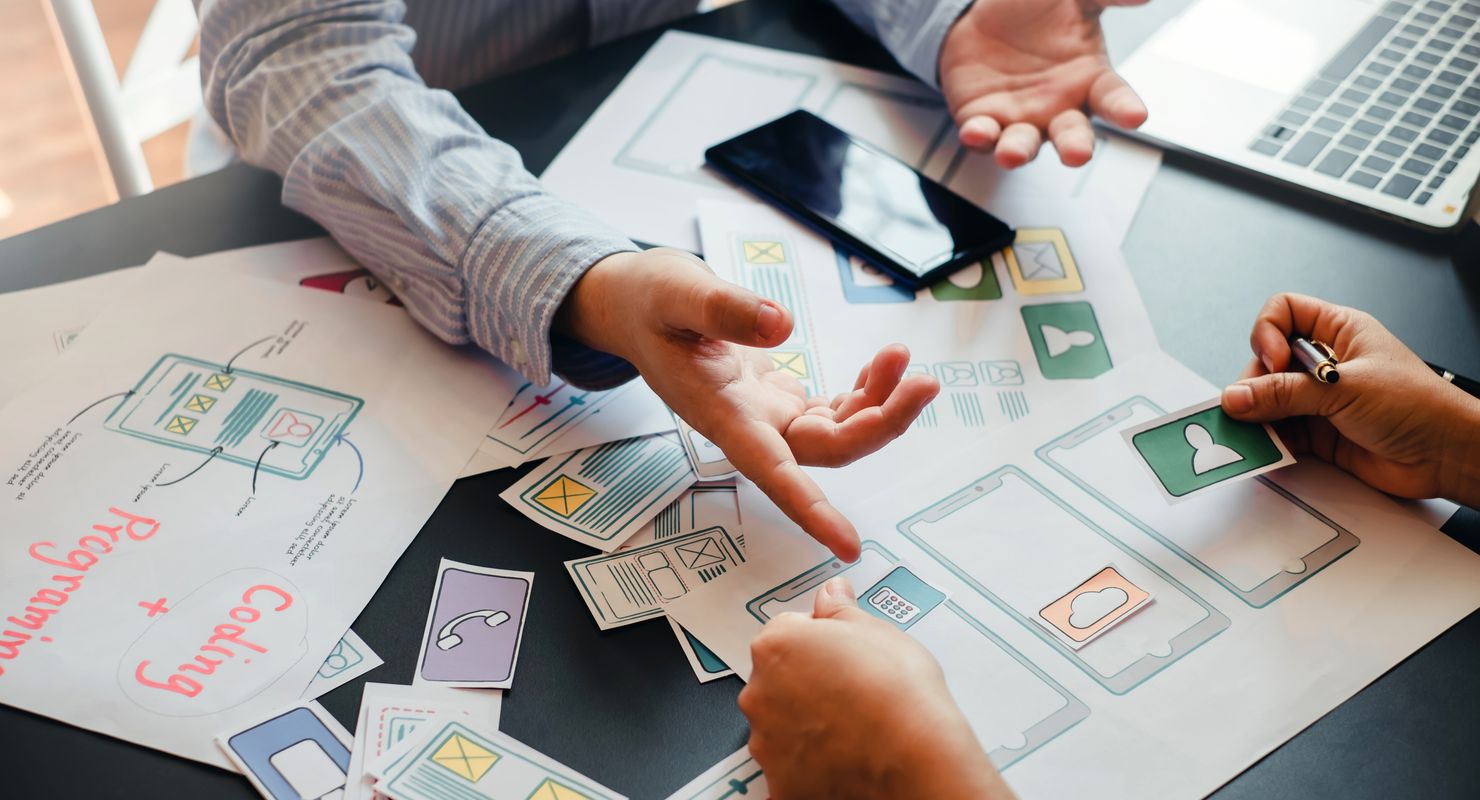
[(1372, 102)]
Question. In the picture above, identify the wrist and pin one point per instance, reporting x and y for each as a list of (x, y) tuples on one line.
[(1460, 463), (592, 311)]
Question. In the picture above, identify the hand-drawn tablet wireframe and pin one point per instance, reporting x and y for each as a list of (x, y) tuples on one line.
[(250, 417), (1257, 539), (1014, 707), (1007, 532)]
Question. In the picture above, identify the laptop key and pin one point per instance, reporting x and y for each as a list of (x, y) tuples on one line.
[(1367, 82), (1417, 120), (1436, 182), (1280, 133), (1403, 84), (1416, 72), (1472, 50), (1377, 164), (1364, 179), (1451, 121), (1379, 69), (1417, 166), (1429, 151), (1341, 110), (1307, 148), (1329, 124), (1472, 93), (1293, 118), (1392, 148), (1400, 186), (1423, 198), (1367, 127), (1461, 152), (1336, 163), (1441, 136), (1265, 147), (1403, 134), (1451, 78), (1432, 59), (1355, 142), (1462, 107), (1305, 103), (1442, 92), (1357, 48), (1473, 137), (1448, 167), (1463, 64), (1378, 112), (1425, 104)]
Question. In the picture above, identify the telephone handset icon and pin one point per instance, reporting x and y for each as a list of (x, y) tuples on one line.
[(446, 639)]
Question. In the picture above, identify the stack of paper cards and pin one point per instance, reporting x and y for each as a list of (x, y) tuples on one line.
[(449, 760), (390, 714), (601, 495), (296, 753), (633, 585), (474, 626)]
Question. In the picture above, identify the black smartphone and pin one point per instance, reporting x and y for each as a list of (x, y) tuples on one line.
[(867, 201)]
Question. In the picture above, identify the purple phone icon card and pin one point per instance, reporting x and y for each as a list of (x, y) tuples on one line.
[(474, 626)]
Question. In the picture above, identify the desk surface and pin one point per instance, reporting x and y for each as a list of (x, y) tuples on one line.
[(622, 706)]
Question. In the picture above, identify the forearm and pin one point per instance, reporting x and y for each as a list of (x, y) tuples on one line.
[(913, 30), (325, 94), (1460, 477)]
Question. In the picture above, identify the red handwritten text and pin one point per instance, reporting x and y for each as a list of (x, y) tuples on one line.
[(224, 637)]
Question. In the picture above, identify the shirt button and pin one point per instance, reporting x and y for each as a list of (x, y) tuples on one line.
[(397, 283), (516, 349)]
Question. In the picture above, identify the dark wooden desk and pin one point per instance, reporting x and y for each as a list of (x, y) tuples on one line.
[(622, 706)]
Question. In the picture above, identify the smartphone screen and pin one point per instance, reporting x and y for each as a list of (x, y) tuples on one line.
[(870, 202), (1014, 707), (1255, 538), (1021, 548)]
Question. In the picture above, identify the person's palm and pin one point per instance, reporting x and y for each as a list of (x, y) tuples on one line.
[(1015, 70), (694, 338)]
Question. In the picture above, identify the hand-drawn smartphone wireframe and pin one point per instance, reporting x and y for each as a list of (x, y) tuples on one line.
[(1007, 532), (1014, 707), (199, 406), (767, 265), (1256, 539)]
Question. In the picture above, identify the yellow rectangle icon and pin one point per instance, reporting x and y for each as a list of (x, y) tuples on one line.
[(1040, 262)]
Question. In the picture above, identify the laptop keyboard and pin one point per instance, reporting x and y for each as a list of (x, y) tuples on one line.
[(1396, 109)]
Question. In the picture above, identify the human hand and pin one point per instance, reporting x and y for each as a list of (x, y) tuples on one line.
[(1390, 420), (842, 704), (1014, 71), (694, 336)]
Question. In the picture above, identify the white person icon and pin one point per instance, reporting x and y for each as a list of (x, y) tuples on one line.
[(1208, 455)]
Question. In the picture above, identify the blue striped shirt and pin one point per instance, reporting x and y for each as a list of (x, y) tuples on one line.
[(348, 100)]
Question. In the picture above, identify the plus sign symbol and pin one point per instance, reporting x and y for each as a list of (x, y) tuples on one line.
[(154, 608)]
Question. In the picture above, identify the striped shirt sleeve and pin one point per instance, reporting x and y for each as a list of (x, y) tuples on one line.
[(324, 93), (913, 30)]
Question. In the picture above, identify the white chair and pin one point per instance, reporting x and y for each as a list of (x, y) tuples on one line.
[(159, 90)]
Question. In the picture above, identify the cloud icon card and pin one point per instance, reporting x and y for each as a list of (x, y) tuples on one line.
[(1093, 607)]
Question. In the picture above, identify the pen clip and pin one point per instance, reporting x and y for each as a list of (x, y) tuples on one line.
[(1326, 350)]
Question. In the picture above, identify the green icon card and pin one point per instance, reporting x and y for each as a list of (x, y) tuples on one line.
[(1066, 340), (1195, 449)]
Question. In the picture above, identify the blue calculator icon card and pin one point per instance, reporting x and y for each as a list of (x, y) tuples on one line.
[(901, 597)]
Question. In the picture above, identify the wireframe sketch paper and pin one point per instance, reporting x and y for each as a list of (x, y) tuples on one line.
[(451, 760), (638, 162), (703, 505), (602, 495), (474, 626), (389, 714), (1002, 336), (349, 659), (736, 775), (636, 584), (202, 495), (1173, 696)]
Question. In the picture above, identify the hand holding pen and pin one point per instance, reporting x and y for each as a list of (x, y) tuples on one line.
[(1381, 413)]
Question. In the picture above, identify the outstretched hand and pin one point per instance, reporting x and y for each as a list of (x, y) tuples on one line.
[(694, 336), (1017, 71)]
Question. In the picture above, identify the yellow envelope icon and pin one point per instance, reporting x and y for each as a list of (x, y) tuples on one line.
[(181, 425), (550, 790), (764, 253), (564, 495), (200, 403), (219, 383), (793, 364), (1040, 262), (464, 757)]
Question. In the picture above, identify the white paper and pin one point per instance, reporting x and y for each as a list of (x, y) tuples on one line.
[(390, 713), (705, 664), (638, 162), (703, 505), (1002, 337), (602, 495), (738, 774), (267, 545), (349, 659), (38, 325), (636, 584), (1275, 599)]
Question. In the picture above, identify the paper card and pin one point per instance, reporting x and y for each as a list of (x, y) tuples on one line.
[(474, 626), (706, 665), (1191, 451), (901, 597), (390, 714), (349, 659), (736, 776), (296, 753), (453, 761), (1093, 607), (1040, 262), (705, 458), (601, 495), (704, 505), (633, 585)]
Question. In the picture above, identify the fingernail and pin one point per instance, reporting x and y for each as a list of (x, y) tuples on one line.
[(839, 590), (1267, 362), (1238, 399), (767, 322)]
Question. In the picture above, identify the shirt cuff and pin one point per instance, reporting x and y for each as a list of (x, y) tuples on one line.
[(925, 25), (518, 269)]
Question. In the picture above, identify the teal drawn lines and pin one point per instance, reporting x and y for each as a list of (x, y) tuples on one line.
[(244, 418), (631, 475), (1341, 542), (1213, 622), (649, 473), (1014, 405), (185, 384), (766, 264), (927, 418), (968, 410), (736, 783)]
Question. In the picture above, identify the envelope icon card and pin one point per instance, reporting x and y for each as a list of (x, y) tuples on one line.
[(453, 761), (1040, 262)]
